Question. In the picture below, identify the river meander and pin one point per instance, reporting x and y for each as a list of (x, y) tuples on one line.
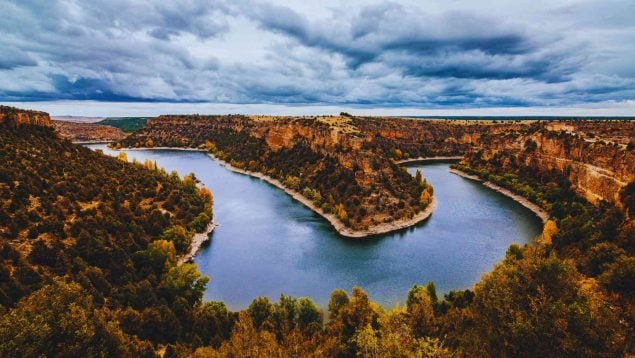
[(267, 243)]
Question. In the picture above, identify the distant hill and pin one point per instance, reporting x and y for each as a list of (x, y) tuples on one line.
[(87, 132), (77, 119), (126, 124)]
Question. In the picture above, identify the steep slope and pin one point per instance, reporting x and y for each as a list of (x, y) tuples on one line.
[(95, 233), (596, 156), (597, 169)]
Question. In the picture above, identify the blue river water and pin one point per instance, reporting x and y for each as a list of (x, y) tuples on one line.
[(267, 243)]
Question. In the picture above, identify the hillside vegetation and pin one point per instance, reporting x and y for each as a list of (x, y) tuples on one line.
[(88, 249)]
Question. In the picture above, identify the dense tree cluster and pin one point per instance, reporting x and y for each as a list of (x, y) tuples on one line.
[(88, 248), (532, 304), (126, 124), (599, 240)]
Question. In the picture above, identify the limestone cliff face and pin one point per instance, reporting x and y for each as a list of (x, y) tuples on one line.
[(282, 133), (20, 116), (420, 138), (597, 170), (594, 155)]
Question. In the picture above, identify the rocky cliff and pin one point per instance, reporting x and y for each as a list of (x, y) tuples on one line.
[(596, 156), (21, 116), (597, 169)]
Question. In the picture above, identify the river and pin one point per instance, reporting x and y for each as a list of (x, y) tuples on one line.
[(267, 243)]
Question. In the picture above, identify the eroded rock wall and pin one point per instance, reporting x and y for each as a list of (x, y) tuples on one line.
[(21, 116)]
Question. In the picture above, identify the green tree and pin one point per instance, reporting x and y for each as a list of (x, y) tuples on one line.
[(179, 236), (309, 315), (338, 299), (59, 320), (418, 176), (212, 323), (260, 310), (538, 305), (184, 281), (162, 254)]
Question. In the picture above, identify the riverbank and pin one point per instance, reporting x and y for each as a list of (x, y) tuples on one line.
[(80, 142), (332, 219), (199, 238), (197, 242), (337, 224), (429, 159), (540, 212)]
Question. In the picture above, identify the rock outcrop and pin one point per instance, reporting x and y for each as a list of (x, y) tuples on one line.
[(18, 116), (596, 156), (598, 169)]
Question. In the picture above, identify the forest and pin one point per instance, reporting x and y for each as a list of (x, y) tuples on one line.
[(89, 267), (89, 246)]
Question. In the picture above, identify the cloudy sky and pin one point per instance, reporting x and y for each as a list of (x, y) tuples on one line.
[(144, 57)]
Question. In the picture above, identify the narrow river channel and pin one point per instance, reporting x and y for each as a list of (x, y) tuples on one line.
[(268, 244)]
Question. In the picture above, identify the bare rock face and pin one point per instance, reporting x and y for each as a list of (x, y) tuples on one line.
[(598, 169), (21, 116)]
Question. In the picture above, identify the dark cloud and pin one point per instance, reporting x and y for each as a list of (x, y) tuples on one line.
[(11, 57), (365, 52), (437, 45)]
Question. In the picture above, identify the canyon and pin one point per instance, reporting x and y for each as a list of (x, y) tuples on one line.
[(596, 156)]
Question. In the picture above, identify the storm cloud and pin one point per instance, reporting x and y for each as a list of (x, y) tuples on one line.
[(361, 53)]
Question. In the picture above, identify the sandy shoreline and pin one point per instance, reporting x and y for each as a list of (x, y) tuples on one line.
[(197, 241), (339, 226), (93, 142), (540, 212), (428, 159)]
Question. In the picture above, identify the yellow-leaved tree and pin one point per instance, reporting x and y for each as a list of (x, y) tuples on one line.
[(341, 212), (425, 197), (148, 164), (548, 231)]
